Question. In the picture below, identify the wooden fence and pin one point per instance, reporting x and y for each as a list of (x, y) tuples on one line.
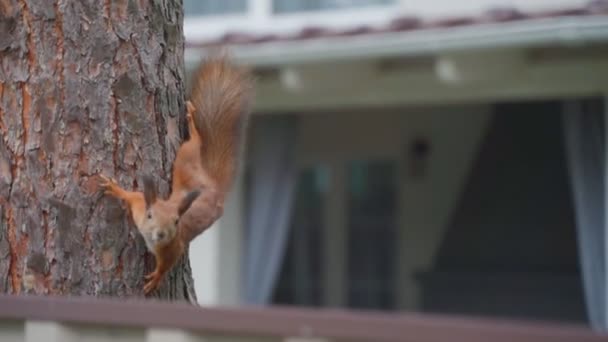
[(61, 319)]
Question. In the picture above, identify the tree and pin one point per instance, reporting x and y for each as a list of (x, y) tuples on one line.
[(86, 87)]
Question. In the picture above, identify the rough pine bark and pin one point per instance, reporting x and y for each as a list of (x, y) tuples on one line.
[(86, 87)]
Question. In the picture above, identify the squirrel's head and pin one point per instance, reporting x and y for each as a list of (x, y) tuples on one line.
[(162, 217)]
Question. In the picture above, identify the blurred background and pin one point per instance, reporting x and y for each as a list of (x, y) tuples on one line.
[(441, 156)]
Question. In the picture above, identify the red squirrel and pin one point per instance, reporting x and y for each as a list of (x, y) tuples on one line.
[(203, 170)]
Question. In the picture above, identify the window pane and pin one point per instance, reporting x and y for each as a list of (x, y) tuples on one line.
[(286, 6), (210, 7), (372, 194), (301, 279)]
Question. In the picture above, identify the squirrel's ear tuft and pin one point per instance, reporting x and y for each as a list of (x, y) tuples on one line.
[(187, 202), (149, 191)]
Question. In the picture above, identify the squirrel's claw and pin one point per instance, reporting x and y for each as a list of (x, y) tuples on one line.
[(149, 287), (190, 118), (107, 184), (150, 275), (152, 284), (190, 109), (106, 181)]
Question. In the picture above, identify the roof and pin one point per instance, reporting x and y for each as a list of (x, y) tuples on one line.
[(404, 24)]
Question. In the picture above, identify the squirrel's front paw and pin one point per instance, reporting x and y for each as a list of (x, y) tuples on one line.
[(108, 185), (153, 280)]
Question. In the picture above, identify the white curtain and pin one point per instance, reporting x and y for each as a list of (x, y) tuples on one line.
[(584, 143), (271, 182)]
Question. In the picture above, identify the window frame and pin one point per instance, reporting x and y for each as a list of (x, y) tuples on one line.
[(212, 15)]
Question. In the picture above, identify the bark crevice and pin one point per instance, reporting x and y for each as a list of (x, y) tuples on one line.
[(60, 50), (13, 272)]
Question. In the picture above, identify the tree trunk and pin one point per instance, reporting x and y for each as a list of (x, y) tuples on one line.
[(86, 87)]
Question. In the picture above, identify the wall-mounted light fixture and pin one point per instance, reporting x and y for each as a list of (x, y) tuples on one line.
[(418, 157)]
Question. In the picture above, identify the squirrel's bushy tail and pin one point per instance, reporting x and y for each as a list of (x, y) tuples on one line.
[(222, 94)]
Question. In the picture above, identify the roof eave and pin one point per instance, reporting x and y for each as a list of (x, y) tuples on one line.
[(564, 31)]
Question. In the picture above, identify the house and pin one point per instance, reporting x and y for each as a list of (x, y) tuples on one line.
[(428, 156)]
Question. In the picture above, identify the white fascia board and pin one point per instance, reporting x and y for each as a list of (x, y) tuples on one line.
[(516, 34)]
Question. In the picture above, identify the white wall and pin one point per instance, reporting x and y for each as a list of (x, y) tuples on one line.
[(205, 264)]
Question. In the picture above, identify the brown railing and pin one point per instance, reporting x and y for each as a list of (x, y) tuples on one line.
[(282, 323)]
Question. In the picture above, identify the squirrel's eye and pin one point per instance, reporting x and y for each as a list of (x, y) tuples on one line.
[(176, 221), (149, 216)]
